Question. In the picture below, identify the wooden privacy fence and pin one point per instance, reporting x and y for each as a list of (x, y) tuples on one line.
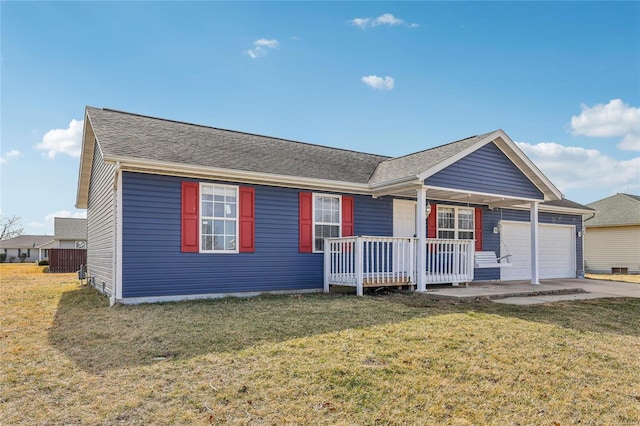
[(66, 260)]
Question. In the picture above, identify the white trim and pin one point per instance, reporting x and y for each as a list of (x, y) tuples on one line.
[(313, 217), (118, 226), (152, 299), (535, 245), (421, 232), (482, 194), (213, 219)]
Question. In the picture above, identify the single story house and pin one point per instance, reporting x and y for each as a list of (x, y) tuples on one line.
[(178, 210), (34, 248), (70, 233), (612, 237)]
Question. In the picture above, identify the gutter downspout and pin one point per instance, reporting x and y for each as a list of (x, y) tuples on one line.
[(114, 272)]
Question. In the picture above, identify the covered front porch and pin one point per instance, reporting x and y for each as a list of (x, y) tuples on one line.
[(422, 258)]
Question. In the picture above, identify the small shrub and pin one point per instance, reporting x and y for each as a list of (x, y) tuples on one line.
[(43, 263), (3, 257)]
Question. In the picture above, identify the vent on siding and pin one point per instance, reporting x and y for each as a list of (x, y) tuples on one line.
[(619, 270)]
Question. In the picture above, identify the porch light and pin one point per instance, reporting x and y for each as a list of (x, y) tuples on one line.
[(428, 208)]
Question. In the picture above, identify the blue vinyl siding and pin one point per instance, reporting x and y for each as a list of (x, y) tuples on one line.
[(486, 170), (153, 264)]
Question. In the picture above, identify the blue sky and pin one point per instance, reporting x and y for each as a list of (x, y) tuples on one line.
[(562, 79)]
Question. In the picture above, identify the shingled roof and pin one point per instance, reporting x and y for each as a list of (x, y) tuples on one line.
[(67, 228), (132, 136), (26, 241), (616, 210), (414, 164)]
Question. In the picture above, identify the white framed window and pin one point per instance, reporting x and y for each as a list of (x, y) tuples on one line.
[(327, 212), (456, 223), (218, 218)]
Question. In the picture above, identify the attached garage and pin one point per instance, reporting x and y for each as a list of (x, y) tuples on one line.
[(556, 254)]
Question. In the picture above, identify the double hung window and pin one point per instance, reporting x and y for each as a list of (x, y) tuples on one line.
[(218, 218), (456, 223), (326, 219)]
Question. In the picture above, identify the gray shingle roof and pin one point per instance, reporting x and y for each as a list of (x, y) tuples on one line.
[(619, 209), (126, 135), (414, 164), (26, 241), (66, 228)]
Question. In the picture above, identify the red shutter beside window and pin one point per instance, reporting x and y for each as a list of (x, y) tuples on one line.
[(247, 220), (189, 219), (478, 230), (432, 224), (347, 216), (305, 210)]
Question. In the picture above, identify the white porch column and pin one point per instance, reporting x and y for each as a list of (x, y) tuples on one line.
[(534, 243), (421, 232)]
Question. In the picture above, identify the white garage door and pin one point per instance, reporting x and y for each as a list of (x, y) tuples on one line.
[(556, 255)]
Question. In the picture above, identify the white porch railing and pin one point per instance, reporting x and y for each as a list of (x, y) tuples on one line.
[(379, 261)]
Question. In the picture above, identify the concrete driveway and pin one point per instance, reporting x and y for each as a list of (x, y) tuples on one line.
[(525, 293)]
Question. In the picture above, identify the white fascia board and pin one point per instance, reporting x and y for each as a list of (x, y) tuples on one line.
[(401, 184), (482, 194), (551, 209), (86, 163), (203, 172)]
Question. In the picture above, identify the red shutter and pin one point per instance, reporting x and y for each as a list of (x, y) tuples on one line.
[(305, 210), (478, 226), (247, 220), (190, 217), (347, 216), (432, 222)]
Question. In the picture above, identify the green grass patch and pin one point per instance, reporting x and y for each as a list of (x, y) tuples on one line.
[(314, 359)]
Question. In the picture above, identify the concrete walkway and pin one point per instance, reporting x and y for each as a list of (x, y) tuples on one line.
[(525, 293)]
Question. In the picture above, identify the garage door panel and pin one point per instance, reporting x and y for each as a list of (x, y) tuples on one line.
[(556, 253)]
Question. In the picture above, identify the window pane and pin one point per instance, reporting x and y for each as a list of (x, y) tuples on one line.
[(230, 210), (446, 218), (334, 231), (230, 227), (219, 193), (218, 227), (206, 227), (218, 210), (465, 219), (465, 235), (207, 209), (230, 243), (207, 192), (206, 242), (446, 234), (218, 243)]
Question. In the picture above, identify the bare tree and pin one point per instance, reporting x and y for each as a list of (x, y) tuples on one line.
[(10, 227)]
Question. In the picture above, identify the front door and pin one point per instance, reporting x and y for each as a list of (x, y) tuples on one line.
[(404, 225), (404, 218)]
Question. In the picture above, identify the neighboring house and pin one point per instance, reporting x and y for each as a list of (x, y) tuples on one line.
[(612, 237), (178, 210), (70, 232), (34, 247)]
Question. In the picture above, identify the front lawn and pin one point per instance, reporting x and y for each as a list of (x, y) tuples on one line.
[(68, 358)]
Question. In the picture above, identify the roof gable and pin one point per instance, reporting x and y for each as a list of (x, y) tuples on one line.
[(66, 228), (616, 210)]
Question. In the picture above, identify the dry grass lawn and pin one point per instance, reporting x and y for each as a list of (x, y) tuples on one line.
[(627, 278), (67, 358)]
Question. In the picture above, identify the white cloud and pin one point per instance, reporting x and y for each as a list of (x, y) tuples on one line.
[(384, 19), (379, 83), (14, 153), (575, 168), (64, 141), (261, 47), (607, 120)]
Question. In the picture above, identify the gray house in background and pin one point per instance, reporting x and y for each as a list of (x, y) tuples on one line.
[(70, 233), (612, 237), (34, 247)]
